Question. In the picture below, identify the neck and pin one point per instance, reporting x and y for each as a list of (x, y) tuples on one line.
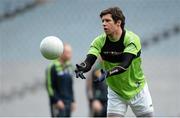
[(61, 60), (116, 35)]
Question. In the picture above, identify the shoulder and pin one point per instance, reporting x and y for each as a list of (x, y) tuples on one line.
[(131, 37), (101, 36), (50, 65), (99, 39), (50, 68), (97, 44), (56, 65)]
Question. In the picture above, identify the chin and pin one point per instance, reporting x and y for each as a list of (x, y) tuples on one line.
[(107, 33)]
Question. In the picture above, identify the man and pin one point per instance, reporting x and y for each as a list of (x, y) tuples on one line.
[(60, 84), (97, 93), (120, 50)]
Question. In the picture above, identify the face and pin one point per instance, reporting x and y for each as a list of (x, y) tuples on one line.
[(109, 26), (67, 54)]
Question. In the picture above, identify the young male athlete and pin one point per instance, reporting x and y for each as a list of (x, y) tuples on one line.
[(120, 50)]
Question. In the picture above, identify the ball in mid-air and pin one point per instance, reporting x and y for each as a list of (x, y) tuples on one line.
[(51, 47)]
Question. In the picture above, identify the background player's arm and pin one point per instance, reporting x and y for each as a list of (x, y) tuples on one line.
[(51, 77), (89, 85)]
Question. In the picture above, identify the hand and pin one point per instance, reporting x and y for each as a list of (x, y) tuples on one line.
[(73, 106), (79, 70), (60, 104), (103, 76), (96, 106)]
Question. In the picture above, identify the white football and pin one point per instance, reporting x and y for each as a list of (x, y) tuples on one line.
[(51, 47)]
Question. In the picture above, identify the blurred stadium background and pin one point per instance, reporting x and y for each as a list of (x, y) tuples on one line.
[(24, 23)]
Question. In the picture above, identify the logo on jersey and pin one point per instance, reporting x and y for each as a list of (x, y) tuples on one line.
[(114, 53)]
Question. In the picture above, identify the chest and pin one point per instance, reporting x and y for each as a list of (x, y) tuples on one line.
[(112, 51)]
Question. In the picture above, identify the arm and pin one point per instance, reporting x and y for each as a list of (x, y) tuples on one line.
[(51, 76), (88, 63), (127, 59), (71, 90), (93, 75), (73, 103), (89, 86), (85, 66), (93, 53)]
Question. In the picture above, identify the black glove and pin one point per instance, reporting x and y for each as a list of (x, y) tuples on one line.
[(80, 70), (104, 75)]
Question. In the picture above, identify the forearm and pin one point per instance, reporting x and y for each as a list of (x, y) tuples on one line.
[(72, 93), (89, 85), (127, 59), (88, 63)]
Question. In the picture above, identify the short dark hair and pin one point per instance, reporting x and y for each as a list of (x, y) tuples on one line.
[(116, 14)]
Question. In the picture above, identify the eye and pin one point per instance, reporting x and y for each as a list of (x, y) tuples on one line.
[(106, 20)]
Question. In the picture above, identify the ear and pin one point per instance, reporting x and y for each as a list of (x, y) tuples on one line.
[(118, 22)]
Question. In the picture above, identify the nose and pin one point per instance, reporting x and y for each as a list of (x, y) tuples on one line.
[(104, 23)]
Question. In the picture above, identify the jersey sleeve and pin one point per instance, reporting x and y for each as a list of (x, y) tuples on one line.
[(96, 45), (50, 78), (132, 44)]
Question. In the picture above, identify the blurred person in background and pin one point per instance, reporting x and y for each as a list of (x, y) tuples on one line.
[(96, 92), (120, 50), (59, 82)]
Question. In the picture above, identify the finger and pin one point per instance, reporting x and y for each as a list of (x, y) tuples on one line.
[(82, 76), (78, 66), (77, 73)]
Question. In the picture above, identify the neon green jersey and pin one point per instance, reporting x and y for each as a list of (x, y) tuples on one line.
[(130, 82)]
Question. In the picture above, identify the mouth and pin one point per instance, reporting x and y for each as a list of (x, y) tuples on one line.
[(105, 29)]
